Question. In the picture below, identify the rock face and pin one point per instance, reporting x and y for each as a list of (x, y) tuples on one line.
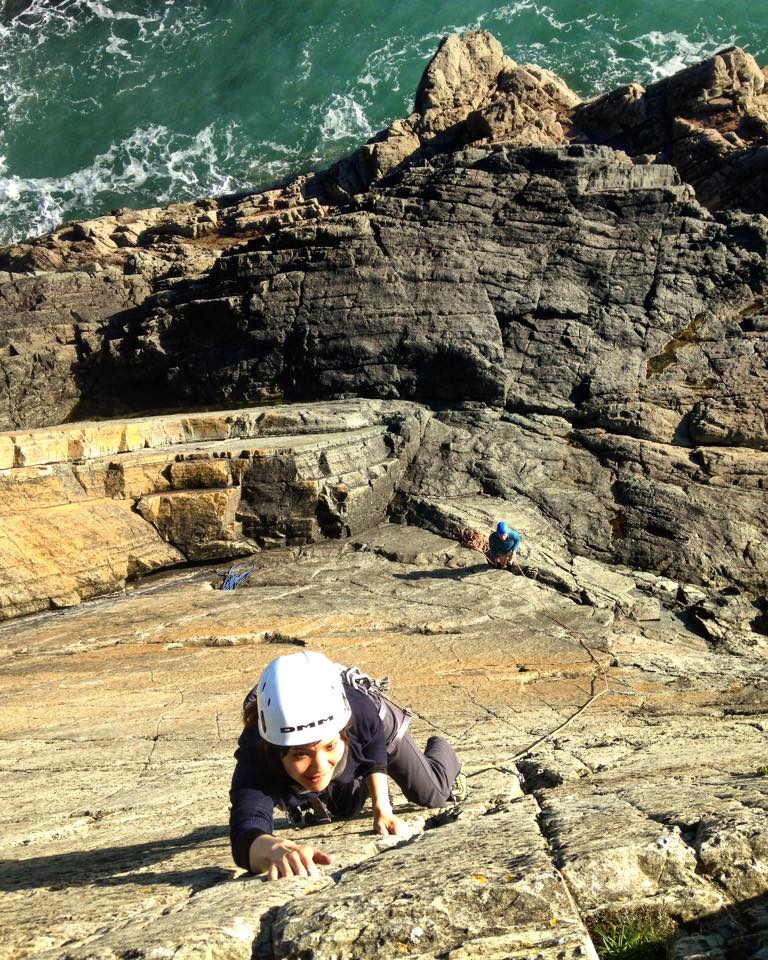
[(710, 121), (61, 293), (645, 504), (84, 292), (622, 332), (555, 313), (113, 837), (585, 298), (500, 901), (89, 507)]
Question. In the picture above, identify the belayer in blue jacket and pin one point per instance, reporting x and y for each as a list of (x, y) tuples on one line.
[(317, 744), (504, 544)]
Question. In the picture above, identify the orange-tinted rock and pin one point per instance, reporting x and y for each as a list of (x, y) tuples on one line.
[(93, 505)]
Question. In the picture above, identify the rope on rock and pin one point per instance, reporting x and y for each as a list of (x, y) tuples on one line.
[(235, 578), (557, 729), (478, 541)]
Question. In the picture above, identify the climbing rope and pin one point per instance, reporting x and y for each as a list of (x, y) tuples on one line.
[(477, 541), (235, 577)]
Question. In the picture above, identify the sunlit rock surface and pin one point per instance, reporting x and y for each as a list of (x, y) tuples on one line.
[(120, 718), (88, 507), (557, 313)]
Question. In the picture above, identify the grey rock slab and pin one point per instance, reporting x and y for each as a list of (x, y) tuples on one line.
[(435, 287), (120, 718), (698, 841), (650, 858), (616, 499), (414, 547), (544, 557), (501, 884), (219, 923)]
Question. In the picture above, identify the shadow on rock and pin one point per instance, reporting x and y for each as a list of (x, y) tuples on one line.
[(739, 932), (443, 574), (114, 866)]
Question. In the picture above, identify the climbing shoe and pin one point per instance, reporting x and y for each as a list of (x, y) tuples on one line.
[(460, 789)]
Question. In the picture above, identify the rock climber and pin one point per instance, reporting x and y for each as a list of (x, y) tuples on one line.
[(317, 743), (504, 545)]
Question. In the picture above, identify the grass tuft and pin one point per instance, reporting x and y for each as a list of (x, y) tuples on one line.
[(631, 934)]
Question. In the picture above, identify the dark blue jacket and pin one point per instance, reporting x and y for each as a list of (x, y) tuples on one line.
[(257, 790)]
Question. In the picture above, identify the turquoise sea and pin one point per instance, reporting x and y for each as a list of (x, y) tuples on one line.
[(107, 103)]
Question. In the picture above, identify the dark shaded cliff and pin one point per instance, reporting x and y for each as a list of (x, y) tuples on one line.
[(613, 329)]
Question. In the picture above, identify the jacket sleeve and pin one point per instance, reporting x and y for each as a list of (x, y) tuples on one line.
[(368, 732), (252, 805)]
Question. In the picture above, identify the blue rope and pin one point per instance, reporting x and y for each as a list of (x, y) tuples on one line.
[(234, 578)]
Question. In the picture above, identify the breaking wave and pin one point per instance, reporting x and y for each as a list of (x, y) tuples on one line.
[(112, 103), (152, 166)]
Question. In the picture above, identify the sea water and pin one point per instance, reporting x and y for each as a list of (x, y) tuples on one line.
[(113, 103)]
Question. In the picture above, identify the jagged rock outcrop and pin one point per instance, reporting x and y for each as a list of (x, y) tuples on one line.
[(710, 121), (469, 92)]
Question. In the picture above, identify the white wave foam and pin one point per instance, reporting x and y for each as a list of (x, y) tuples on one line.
[(512, 11), (117, 45), (305, 66), (667, 53), (383, 65), (174, 167), (345, 119)]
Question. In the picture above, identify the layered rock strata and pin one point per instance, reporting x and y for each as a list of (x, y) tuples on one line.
[(87, 508), (591, 304), (691, 514), (67, 296), (587, 295), (710, 120)]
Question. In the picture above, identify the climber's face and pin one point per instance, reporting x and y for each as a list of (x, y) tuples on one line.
[(311, 765)]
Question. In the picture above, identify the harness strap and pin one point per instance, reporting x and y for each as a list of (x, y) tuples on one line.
[(406, 715), (375, 689), (321, 812), (310, 813)]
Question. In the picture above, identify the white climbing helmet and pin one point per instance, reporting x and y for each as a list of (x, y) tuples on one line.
[(301, 699)]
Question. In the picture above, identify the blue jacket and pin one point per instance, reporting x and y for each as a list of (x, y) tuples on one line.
[(502, 548), (256, 790)]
